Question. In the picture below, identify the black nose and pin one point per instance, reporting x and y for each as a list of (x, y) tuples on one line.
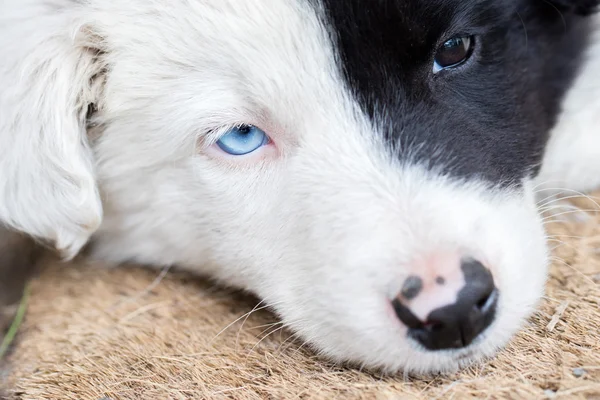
[(457, 325)]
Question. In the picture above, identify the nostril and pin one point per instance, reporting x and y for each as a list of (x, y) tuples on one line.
[(487, 301), (481, 303), (405, 315)]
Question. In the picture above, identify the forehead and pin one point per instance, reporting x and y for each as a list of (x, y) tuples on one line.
[(397, 21), (280, 48), (231, 56), (306, 66), (404, 26)]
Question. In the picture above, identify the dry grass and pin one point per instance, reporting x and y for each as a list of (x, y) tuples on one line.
[(92, 333)]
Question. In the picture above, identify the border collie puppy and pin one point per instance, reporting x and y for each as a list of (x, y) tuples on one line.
[(368, 168)]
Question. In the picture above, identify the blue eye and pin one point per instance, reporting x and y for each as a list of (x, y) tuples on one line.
[(243, 139)]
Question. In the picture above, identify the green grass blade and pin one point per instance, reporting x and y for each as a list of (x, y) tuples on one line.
[(14, 327)]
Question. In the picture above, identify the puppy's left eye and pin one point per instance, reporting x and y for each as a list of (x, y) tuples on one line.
[(453, 53), (242, 140)]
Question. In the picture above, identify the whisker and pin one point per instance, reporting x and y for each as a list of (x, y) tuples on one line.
[(590, 198), (246, 315), (535, 187), (264, 337), (163, 273), (566, 236), (525, 31), (237, 337), (290, 338), (561, 243), (555, 199), (552, 204), (583, 211), (307, 341), (548, 209), (587, 278), (564, 21), (265, 325), (551, 196), (557, 222)]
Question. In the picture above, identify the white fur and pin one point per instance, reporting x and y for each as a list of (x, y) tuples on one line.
[(47, 184), (572, 158), (323, 226)]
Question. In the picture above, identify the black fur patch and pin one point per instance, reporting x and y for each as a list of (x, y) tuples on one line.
[(488, 118), (580, 7)]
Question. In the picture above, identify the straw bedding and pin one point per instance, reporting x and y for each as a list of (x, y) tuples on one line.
[(134, 333)]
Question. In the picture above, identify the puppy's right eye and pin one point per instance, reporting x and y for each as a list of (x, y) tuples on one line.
[(243, 139)]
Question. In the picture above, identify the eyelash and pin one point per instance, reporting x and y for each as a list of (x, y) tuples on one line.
[(212, 136)]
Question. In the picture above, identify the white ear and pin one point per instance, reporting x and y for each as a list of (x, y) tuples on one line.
[(47, 80)]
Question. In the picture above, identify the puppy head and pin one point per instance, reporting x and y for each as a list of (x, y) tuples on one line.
[(366, 171)]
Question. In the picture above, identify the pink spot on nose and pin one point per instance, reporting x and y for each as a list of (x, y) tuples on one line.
[(439, 277)]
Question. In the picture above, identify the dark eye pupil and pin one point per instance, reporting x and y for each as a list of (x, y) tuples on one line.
[(453, 52), (244, 129)]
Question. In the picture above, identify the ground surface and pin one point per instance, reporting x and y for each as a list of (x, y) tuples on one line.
[(92, 333)]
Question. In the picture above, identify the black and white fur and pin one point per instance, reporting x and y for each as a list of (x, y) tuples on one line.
[(109, 111)]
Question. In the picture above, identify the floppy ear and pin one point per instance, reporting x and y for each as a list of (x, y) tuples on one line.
[(579, 7), (48, 77)]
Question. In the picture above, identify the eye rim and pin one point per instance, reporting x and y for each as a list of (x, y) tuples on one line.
[(471, 51), (228, 150)]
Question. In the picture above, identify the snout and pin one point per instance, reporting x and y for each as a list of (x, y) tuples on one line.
[(448, 303)]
